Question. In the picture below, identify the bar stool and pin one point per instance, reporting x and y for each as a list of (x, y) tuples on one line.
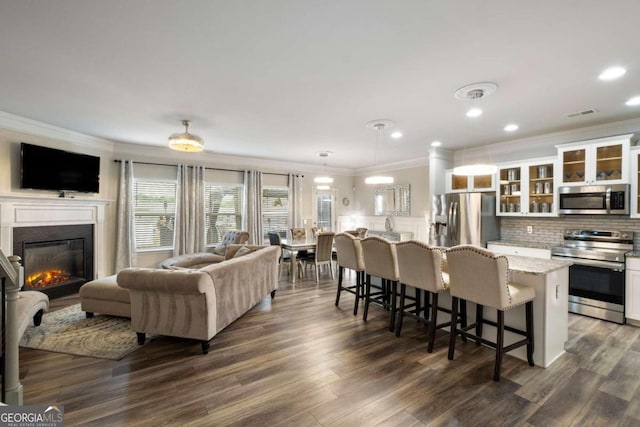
[(349, 251), (480, 276), (380, 260), (420, 266)]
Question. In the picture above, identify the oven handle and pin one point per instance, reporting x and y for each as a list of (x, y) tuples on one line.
[(616, 266), (607, 199)]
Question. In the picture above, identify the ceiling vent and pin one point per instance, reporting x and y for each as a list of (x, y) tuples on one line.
[(583, 113)]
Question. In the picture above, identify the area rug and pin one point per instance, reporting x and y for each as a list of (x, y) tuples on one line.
[(69, 331)]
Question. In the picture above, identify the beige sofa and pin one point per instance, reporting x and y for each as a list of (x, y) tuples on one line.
[(199, 303)]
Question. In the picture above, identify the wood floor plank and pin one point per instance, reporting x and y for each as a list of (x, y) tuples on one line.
[(298, 360)]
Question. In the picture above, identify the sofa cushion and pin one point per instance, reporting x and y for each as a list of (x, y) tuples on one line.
[(242, 251), (196, 260), (104, 289)]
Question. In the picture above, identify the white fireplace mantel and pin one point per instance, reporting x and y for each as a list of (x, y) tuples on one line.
[(33, 211)]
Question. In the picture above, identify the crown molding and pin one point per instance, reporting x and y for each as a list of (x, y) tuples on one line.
[(545, 144), (33, 127)]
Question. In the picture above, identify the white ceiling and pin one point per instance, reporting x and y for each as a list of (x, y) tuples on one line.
[(284, 79)]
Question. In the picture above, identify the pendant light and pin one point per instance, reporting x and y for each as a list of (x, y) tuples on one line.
[(473, 93), (186, 141), (379, 126), (323, 179)]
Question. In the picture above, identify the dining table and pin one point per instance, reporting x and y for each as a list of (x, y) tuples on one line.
[(294, 246)]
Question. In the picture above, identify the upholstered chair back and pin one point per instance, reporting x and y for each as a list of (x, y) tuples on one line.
[(298, 233), (380, 258), (478, 275), (274, 238), (362, 232), (420, 266), (230, 237), (349, 251), (324, 244)]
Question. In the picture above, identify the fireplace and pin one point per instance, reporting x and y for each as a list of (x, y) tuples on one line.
[(57, 260)]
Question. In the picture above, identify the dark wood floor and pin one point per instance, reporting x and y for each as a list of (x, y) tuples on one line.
[(300, 361)]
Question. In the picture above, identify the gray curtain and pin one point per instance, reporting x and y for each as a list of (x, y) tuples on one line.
[(126, 255), (295, 201), (253, 202), (190, 214)]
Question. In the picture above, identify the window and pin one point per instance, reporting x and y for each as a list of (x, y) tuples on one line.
[(155, 211), (275, 210), (324, 211), (223, 210)]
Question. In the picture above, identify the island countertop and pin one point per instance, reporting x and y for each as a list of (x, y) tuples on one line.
[(531, 265), (521, 244)]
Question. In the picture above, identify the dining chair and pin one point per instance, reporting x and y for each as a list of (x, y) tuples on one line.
[(421, 267), (275, 240), (380, 260), (349, 255), (298, 233), (322, 254), (482, 277), (362, 232)]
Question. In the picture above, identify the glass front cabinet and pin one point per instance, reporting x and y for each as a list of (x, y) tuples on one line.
[(526, 188), (466, 184), (598, 161)]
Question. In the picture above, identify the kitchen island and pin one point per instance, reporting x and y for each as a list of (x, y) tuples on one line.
[(550, 279)]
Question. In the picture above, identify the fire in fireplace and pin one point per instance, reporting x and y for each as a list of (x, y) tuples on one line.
[(57, 260)]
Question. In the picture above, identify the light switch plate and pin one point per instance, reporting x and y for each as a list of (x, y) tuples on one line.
[(530, 229)]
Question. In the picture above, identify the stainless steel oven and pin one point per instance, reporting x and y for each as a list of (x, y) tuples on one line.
[(596, 278)]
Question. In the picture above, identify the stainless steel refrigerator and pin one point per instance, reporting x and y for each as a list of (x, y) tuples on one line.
[(464, 219)]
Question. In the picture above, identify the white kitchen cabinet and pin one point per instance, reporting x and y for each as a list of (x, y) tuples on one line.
[(632, 290), (468, 184), (526, 188), (519, 250), (634, 197), (597, 161)]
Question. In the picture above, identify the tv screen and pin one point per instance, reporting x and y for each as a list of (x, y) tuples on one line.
[(44, 168)]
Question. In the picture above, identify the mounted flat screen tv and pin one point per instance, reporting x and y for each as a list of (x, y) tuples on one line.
[(43, 168)]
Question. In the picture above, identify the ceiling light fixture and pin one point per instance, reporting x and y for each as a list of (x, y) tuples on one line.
[(379, 126), (323, 179), (436, 144), (511, 127), (632, 102), (324, 187), (186, 141), (396, 135), (474, 93), (612, 73)]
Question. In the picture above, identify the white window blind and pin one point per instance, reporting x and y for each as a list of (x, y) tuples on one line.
[(223, 207), (155, 211), (275, 210)]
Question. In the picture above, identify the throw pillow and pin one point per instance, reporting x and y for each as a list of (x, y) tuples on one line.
[(219, 249), (175, 267), (242, 251)]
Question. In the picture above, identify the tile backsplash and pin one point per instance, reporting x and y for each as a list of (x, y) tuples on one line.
[(548, 231)]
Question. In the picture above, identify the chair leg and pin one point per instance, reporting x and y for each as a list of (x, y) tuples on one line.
[(418, 302), (359, 291), (453, 328), (529, 322), (433, 321), (340, 273), (499, 345), (315, 264), (403, 292), (479, 321), (426, 303), (463, 318), (366, 297), (392, 309), (333, 277)]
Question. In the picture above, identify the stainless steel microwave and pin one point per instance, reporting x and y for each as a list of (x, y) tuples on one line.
[(594, 200)]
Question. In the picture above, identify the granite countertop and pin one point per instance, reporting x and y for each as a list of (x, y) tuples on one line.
[(530, 265), (522, 244)]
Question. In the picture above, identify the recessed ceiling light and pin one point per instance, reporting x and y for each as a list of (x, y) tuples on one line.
[(396, 135), (474, 112), (612, 73), (323, 187), (436, 144), (511, 127), (632, 102)]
